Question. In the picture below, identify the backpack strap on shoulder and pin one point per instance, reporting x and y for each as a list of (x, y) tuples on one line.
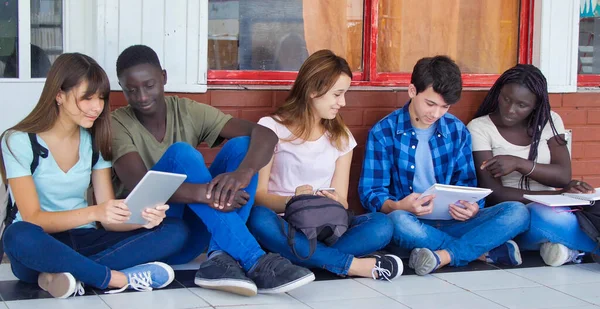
[(95, 152), (38, 151)]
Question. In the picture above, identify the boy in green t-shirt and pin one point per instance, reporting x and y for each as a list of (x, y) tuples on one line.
[(160, 133)]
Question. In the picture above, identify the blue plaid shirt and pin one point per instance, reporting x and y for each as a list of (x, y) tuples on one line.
[(389, 166)]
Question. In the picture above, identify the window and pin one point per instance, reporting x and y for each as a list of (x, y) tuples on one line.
[(588, 61), (254, 41), (482, 35), (247, 38), (42, 20)]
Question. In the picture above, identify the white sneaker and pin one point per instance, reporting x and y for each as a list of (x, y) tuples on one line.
[(555, 254), (60, 285)]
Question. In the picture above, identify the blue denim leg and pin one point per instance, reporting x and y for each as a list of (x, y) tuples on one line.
[(88, 254), (227, 231), (557, 225), (410, 232), (31, 251), (367, 233), (465, 241), (228, 160)]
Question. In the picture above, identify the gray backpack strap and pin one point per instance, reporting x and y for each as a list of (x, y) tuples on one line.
[(291, 234)]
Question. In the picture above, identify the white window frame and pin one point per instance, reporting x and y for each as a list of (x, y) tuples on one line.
[(107, 24), (23, 43), (555, 43)]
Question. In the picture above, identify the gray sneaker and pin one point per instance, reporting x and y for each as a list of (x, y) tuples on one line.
[(275, 274), (222, 272)]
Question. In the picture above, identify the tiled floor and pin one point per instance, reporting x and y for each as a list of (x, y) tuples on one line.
[(478, 286)]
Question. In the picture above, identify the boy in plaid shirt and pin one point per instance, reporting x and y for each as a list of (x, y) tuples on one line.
[(420, 145)]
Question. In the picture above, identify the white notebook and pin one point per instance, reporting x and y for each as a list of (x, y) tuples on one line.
[(565, 199), (445, 195)]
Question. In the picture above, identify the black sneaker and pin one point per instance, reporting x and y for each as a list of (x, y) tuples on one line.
[(387, 267), (275, 274), (222, 272)]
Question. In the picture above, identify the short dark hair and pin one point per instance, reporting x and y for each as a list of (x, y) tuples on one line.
[(441, 73), (135, 55)]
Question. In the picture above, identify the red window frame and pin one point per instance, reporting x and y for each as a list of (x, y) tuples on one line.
[(369, 75)]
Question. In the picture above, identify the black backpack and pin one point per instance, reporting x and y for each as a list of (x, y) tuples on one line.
[(11, 207), (318, 217), (589, 221)]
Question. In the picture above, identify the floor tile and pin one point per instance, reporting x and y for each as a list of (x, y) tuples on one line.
[(220, 298), (6, 273), (380, 302), (531, 298), (590, 266), (411, 285), (486, 280), (275, 306), (88, 302), (566, 274), (159, 299), (585, 291), (578, 307), (473, 266), (329, 290), (458, 300)]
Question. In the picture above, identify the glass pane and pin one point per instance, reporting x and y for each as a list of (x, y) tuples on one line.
[(278, 35), (9, 56), (46, 35), (589, 24), (480, 35)]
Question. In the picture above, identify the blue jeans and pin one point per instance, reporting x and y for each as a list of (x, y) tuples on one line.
[(557, 225), (218, 230), (366, 234), (465, 241), (88, 254)]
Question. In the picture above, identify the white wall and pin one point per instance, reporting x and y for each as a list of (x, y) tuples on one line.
[(16, 101)]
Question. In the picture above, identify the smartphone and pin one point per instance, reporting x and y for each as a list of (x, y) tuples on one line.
[(325, 189)]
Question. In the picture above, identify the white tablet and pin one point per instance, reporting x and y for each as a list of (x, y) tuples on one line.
[(153, 190)]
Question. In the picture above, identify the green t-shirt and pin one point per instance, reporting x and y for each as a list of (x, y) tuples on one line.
[(187, 121)]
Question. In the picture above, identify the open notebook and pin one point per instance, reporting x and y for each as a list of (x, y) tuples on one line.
[(445, 195), (565, 199)]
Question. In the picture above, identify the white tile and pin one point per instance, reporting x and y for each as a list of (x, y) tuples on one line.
[(531, 298), (585, 291), (276, 306), (590, 266), (486, 280), (562, 275), (380, 302), (458, 300), (6, 273), (159, 299), (333, 290), (220, 298), (578, 307), (88, 302), (410, 285)]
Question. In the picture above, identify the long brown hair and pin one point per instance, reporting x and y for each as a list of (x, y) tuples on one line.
[(68, 71), (317, 75)]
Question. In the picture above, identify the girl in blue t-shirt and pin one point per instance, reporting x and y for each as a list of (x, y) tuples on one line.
[(54, 240)]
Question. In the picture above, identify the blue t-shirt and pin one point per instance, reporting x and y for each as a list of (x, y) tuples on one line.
[(57, 190), (424, 172)]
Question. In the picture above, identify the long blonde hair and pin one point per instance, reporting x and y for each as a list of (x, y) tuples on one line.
[(317, 75), (67, 72)]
